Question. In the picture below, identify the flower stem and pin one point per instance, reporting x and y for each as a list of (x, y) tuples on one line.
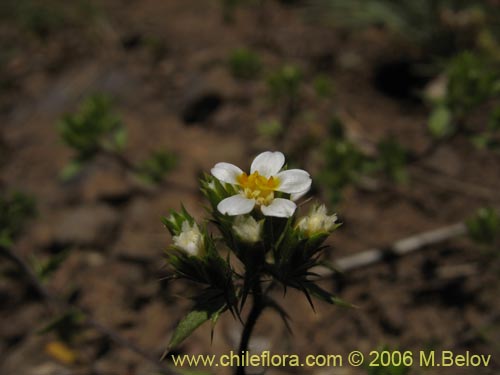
[(257, 308)]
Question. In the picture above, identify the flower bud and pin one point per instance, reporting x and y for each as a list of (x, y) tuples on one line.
[(174, 222), (248, 229), (317, 222), (190, 239)]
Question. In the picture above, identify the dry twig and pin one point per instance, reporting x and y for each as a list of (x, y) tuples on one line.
[(399, 248)]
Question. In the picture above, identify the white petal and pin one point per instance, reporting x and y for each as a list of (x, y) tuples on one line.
[(296, 196), (279, 208), (294, 181), (236, 205), (226, 172), (268, 163)]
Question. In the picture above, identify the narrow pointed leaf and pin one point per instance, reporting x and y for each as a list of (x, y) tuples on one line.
[(187, 325), (326, 296)]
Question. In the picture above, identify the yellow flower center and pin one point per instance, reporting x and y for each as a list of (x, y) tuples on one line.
[(258, 187)]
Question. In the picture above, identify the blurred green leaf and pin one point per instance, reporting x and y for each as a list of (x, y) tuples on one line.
[(486, 141), (157, 166), (484, 226), (494, 119), (47, 268), (323, 85), (228, 9), (120, 139), (439, 27), (344, 163), (15, 209), (336, 128), (71, 170), (285, 82), (489, 139), (48, 17), (471, 81), (244, 63), (270, 129), (440, 122), (392, 159), (92, 128)]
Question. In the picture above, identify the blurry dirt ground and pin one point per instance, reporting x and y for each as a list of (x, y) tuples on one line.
[(443, 297)]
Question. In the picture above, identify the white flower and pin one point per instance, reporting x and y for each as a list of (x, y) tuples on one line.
[(248, 229), (258, 188), (317, 222), (190, 239)]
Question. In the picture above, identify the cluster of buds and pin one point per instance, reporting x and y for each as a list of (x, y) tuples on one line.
[(256, 216)]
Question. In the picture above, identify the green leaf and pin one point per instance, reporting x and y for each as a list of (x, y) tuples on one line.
[(392, 159), (5, 241), (323, 86), (285, 82), (45, 269), (484, 226), (157, 166), (344, 163), (494, 119), (209, 305), (481, 141), (71, 170), (120, 138), (471, 81), (214, 319), (440, 122), (15, 209), (93, 127), (187, 325), (270, 129), (244, 63)]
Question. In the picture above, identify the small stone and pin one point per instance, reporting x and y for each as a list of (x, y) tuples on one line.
[(436, 89)]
